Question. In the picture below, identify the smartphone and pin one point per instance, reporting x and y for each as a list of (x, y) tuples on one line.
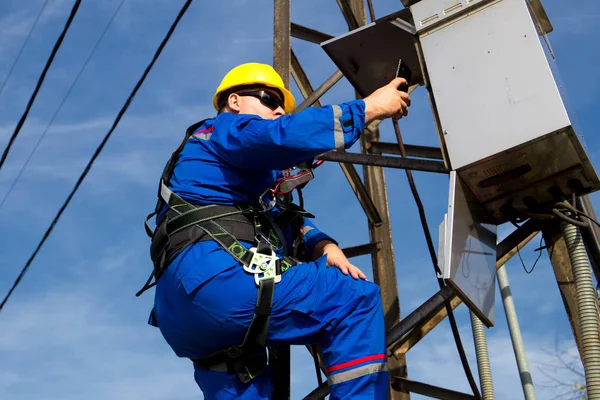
[(403, 72)]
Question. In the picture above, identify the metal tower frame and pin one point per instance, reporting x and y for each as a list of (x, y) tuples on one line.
[(372, 196)]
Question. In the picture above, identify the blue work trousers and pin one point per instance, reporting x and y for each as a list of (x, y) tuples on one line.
[(313, 303)]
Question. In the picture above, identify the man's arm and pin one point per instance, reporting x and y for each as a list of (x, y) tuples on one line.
[(386, 102), (319, 244), (252, 143), (336, 258)]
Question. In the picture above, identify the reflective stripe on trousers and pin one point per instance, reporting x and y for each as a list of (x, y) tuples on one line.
[(313, 303)]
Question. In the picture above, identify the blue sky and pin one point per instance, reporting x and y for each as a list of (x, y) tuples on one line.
[(73, 329)]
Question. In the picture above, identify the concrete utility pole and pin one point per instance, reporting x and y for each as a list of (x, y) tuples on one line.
[(515, 334)]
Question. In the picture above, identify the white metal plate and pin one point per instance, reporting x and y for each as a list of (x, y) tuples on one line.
[(470, 252)]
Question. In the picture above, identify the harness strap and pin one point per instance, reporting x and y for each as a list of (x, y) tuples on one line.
[(170, 166), (183, 223), (257, 332), (239, 359), (248, 359), (204, 217)]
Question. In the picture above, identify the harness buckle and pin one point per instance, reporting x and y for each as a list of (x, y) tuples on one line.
[(267, 200), (263, 266)]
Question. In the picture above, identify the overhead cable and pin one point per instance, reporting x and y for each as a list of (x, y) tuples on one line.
[(12, 186), (12, 67), (99, 149), (40, 81)]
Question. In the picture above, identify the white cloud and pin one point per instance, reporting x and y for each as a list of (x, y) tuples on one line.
[(16, 25), (57, 9)]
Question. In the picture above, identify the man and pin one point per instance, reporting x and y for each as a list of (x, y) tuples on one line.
[(221, 294)]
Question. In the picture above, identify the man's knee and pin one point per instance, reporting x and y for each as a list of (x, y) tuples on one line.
[(370, 295)]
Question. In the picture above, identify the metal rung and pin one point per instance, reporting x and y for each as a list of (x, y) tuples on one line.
[(405, 385), (361, 250), (308, 34)]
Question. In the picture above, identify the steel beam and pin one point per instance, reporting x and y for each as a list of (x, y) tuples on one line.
[(383, 161), (281, 63), (408, 3), (384, 265), (429, 390), (319, 393), (563, 271), (281, 40), (321, 90), (361, 250), (308, 34), (423, 313), (371, 10), (434, 153), (543, 24), (301, 78), (419, 332), (350, 14)]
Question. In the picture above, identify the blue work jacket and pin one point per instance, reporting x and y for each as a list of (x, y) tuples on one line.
[(233, 158)]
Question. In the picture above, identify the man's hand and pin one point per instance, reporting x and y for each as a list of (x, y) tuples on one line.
[(336, 258), (387, 101)]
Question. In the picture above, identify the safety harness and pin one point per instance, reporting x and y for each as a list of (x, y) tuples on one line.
[(182, 224)]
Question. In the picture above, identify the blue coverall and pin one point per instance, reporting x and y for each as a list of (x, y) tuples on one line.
[(204, 301)]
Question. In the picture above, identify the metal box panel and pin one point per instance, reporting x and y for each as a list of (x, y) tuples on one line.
[(428, 13), (493, 87), (469, 251), (531, 175), (503, 121), (368, 56)]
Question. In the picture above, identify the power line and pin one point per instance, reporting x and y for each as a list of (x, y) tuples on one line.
[(99, 149), (12, 186), (12, 67), (40, 81)]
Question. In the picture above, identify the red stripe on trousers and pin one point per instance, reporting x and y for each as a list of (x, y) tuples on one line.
[(356, 362)]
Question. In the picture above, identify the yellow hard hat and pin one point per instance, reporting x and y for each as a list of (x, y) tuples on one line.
[(255, 74)]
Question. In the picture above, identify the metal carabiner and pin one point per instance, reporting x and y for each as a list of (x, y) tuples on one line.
[(266, 207)]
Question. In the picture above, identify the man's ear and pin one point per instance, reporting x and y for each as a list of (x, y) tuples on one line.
[(233, 102)]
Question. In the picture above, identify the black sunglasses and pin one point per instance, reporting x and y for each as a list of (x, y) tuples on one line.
[(266, 98)]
